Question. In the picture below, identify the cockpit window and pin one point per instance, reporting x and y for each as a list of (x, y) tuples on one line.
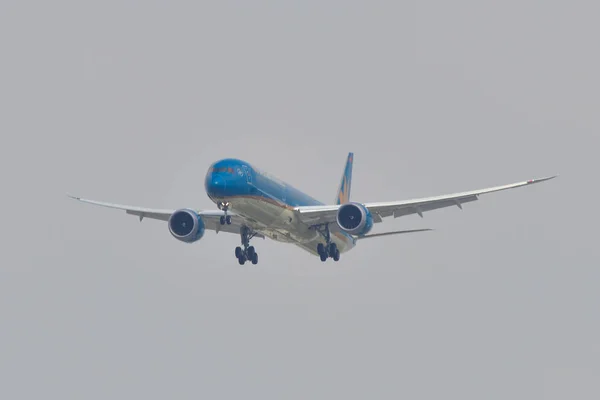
[(228, 170)]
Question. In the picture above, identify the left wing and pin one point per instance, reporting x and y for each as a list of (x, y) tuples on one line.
[(211, 218), (316, 215)]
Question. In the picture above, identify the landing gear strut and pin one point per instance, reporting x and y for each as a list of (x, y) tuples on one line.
[(329, 249), (225, 219), (247, 253)]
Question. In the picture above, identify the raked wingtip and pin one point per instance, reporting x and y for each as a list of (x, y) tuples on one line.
[(538, 180)]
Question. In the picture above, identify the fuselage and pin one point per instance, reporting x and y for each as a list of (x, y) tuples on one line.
[(268, 203)]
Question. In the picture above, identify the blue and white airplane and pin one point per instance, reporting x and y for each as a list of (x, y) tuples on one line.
[(253, 203)]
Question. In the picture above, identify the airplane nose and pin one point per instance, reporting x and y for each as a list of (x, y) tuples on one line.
[(216, 185)]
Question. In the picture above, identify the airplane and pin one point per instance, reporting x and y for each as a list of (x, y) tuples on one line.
[(253, 203)]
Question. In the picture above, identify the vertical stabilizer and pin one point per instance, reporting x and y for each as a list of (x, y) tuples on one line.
[(343, 193)]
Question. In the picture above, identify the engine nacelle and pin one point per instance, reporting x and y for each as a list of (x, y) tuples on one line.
[(355, 219), (186, 225)]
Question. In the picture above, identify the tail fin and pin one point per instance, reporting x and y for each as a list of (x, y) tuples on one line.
[(343, 193)]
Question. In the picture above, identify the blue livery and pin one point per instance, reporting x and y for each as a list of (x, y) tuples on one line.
[(255, 204)]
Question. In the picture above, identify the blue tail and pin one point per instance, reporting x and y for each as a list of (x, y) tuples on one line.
[(343, 194)]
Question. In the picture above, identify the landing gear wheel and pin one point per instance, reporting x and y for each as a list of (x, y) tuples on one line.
[(246, 252), (222, 220), (227, 220), (336, 255), (321, 249), (332, 249)]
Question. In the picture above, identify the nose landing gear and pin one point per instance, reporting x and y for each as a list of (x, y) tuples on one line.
[(225, 219), (247, 253)]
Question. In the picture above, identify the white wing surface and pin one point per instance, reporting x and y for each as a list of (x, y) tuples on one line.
[(211, 218), (316, 215)]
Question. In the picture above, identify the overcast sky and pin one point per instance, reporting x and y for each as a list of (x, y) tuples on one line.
[(130, 102)]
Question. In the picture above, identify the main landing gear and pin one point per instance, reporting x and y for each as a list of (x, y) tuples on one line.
[(248, 253), (329, 249), (225, 219)]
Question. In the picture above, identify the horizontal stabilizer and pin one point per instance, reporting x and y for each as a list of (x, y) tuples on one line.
[(392, 233)]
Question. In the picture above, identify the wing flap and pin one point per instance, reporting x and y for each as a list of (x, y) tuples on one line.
[(434, 205), (151, 215), (314, 215)]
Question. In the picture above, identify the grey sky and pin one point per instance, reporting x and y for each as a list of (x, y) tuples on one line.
[(131, 101)]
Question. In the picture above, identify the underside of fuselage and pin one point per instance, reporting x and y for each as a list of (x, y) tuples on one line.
[(278, 222), (267, 205)]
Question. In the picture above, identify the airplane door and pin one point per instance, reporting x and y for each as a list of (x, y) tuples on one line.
[(248, 174)]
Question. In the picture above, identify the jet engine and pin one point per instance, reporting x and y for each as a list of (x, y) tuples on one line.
[(355, 219), (186, 225)]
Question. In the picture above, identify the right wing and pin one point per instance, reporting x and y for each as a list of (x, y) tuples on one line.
[(211, 218), (418, 206), (316, 215)]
